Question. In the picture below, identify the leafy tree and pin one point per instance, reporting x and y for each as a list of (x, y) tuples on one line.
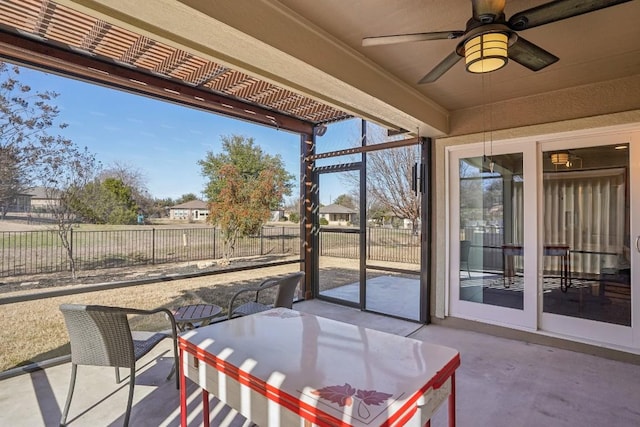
[(109, 201), (186, 198), (346, 201), (250, 160), (294, 217), (244, 185), (135, 180), (10, 178), (160, 207)]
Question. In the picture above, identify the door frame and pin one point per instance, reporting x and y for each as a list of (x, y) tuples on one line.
[(525, 319), (426, 206)]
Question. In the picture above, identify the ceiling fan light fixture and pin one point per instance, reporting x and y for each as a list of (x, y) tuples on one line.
[(486, 52), (561, 158)]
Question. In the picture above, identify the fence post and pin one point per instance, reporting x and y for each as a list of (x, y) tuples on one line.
[(214, 242), (153, 246), (283, 239), (71, 246), (369, 242), (261, 238)]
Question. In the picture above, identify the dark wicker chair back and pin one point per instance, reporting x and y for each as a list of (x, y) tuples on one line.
[(284, 295)]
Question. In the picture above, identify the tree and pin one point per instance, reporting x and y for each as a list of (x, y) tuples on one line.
[(134, 179), (26, 120), (186, 198), (32, 154), (160, 207), (389, 179), (109, 201), (250, 160), (10, 178), (244, 185), (346, 201), (64, 174)]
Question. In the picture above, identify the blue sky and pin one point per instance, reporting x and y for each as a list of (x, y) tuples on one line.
[(164, 141)]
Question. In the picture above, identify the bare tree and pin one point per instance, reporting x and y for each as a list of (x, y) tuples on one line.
[(31, 154), (389, 179), (64, 175), (26, 120), (134, 179), (389, 176), (130, 175)]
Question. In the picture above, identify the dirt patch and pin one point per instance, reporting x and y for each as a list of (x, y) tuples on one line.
[(190, 269)]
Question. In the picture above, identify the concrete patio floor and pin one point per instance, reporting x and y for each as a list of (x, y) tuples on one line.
[(501, 382)]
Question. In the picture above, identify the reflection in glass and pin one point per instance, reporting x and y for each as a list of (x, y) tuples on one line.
[(586, 210), (491, 230)]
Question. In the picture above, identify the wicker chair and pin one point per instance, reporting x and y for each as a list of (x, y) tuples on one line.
[(284, 297), (101, 336)]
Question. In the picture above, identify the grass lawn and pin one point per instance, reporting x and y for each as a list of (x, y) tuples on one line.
[(35, 331)]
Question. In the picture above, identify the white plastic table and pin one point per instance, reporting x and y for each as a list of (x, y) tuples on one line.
[(286, 368)]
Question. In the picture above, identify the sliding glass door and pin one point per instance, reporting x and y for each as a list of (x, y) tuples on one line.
[(587, 197), (545, 235)]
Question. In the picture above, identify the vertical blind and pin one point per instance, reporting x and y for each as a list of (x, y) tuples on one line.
[(586, 210)]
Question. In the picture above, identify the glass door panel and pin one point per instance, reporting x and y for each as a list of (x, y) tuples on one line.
[(491, 234), (393, 232), (339, 238), (586, 201)]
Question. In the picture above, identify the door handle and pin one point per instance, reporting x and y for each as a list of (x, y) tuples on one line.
[(638, 241), (414, 178)]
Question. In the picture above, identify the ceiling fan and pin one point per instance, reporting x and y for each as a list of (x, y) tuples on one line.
[(489, 39)]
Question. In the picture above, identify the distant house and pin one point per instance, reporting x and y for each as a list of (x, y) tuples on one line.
[(337, 214), (195, 210), (42, 199), (21, 203)]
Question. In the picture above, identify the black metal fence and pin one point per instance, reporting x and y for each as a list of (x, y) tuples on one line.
[(38, 252)]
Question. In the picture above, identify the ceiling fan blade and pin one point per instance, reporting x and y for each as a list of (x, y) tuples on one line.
[(555, 11), (530, 55), (416, 37), (441, 68)]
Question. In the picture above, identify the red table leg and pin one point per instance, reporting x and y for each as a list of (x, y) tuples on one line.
[(452, 402), (183, 393), (205, 407)]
